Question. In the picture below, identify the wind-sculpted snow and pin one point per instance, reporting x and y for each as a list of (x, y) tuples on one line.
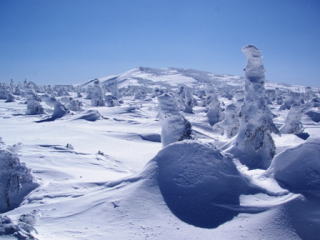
[(59, 111), (298, 169), (314, 115), (89, 171), (91, 115), (198, 183)]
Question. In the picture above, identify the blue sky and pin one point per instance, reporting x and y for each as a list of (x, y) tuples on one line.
[(69, 41)]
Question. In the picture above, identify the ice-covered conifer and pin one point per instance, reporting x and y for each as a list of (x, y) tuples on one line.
[(187, 101), (3, 91), (34, 107), (17, 90), (291, 99), (111, 100), (174, 126), (59, 110), (293, 123), (74, 105), (214, 110), (254, 145), (10, 97), (15, 179), (97, 95), (229, 126)]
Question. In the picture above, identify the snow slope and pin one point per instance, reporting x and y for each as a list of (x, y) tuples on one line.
[(111, 184)]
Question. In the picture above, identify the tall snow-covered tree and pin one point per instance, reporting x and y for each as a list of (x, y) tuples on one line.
[(254, 145)]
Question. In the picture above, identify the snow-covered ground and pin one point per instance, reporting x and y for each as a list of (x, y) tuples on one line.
[(106, 186)]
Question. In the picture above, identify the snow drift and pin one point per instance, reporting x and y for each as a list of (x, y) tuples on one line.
[(298, 169), (199, 184)]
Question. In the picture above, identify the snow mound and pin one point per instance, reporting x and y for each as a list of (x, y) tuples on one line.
[(199, 184), (91, 115), (314, 115), (16, 180), (298, 169), (152, 137)]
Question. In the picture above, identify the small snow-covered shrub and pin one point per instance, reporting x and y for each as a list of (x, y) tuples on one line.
[(15, 180), (34, 107)]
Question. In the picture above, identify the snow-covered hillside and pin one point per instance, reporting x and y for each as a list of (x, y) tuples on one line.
[(105, 161)]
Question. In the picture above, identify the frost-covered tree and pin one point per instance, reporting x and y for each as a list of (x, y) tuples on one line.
[(186, 99), (229, 126), (59, 110), (293, 122), (3, 91), (34, 107), (291, 99), (174, 126), (111, 100), (32, 95), (254, 145), (10, 97), (97, 95), (214, 110), (15, 179), (74, 105)]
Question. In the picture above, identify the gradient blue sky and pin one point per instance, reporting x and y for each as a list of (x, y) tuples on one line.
[(69, 41)]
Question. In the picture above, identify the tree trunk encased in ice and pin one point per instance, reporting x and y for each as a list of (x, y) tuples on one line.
[(174, 125), (254, 145)]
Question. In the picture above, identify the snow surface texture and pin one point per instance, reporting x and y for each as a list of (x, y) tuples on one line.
[(298, 169), (113, 178), (199, 184)]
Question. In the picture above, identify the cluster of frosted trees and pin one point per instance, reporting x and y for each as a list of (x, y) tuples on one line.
[(247, 120), (58, 100)]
